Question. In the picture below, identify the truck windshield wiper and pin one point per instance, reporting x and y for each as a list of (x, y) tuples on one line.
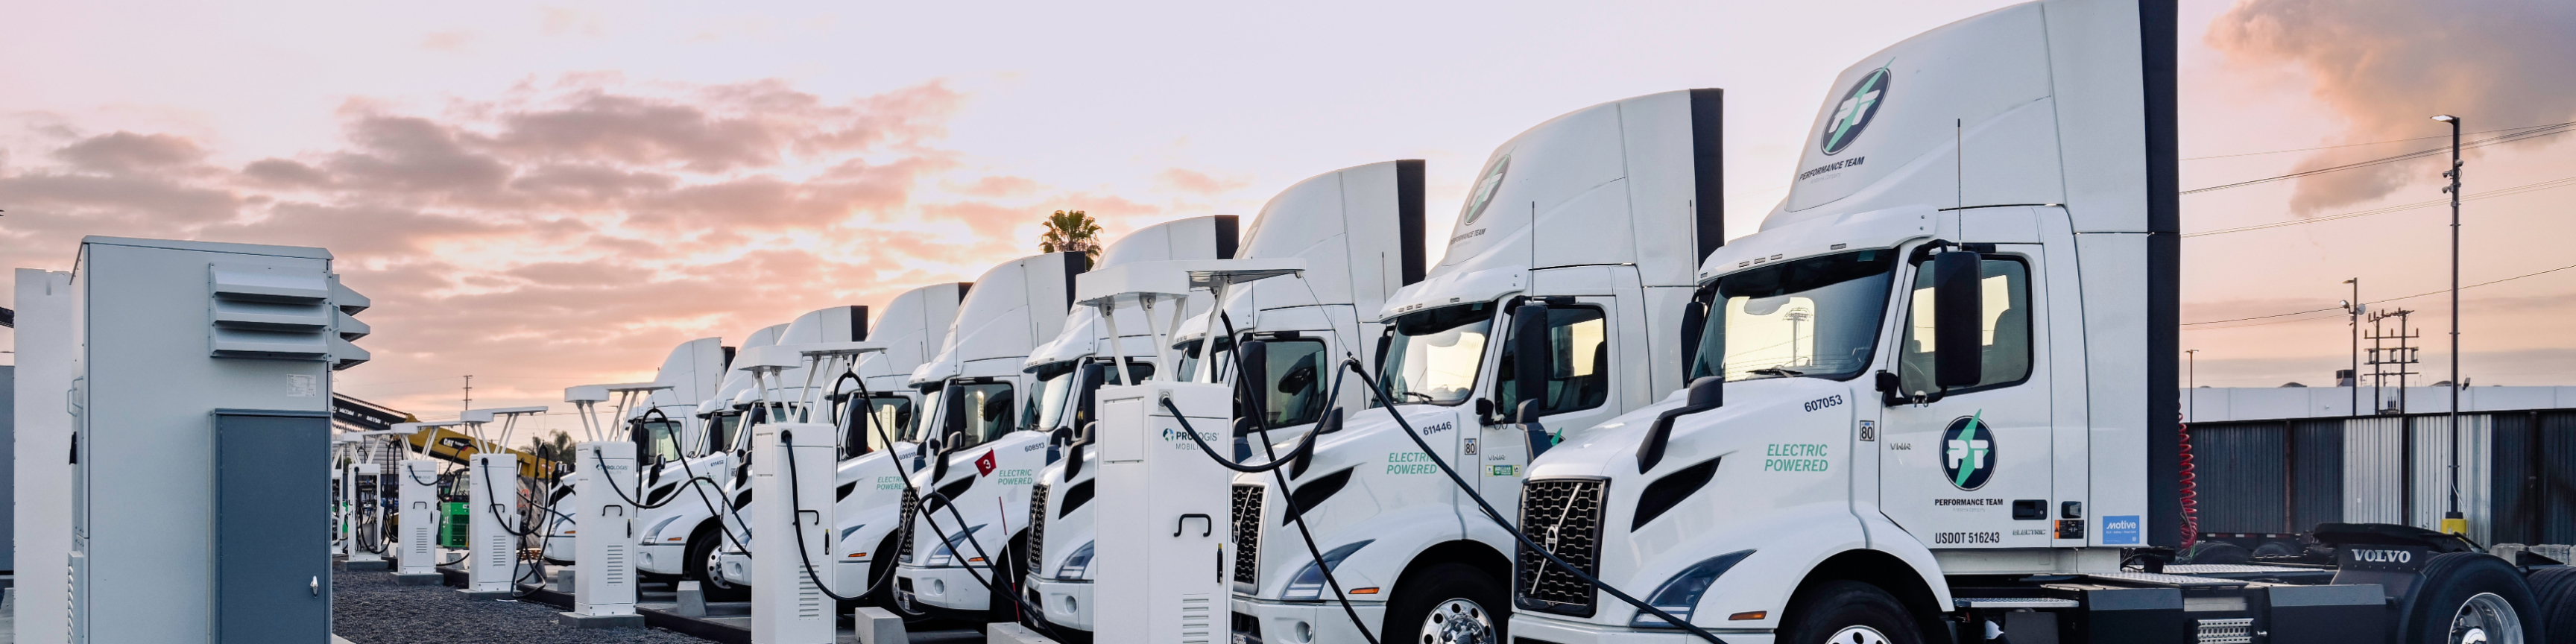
[(1777, 371)]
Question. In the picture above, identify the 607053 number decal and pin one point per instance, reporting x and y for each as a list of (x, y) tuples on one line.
[(1821, 403)]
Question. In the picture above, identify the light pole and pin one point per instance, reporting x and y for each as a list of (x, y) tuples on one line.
[(2191, 384), (2452, 521), (2352, 308)]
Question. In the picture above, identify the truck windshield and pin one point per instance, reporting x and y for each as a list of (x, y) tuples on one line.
[(1055, 387), (720, 431), (1816, 317), (1434, 354), (930, 398)]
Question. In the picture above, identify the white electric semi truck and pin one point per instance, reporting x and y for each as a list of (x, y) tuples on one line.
[(674, 520), (1360, 230), (867, 483), (690, 372), (728, 512), (1935, 401), (975, 439), (1576, 243)]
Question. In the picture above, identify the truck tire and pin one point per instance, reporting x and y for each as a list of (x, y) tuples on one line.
[(1847, 612), (1447, 603), (1003, 579), (2471, 592), (699, 562), (2555, 591)]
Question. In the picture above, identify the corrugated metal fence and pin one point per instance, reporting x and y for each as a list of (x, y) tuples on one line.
[(2517, 473)]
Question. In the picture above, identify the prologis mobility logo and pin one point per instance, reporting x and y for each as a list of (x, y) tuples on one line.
[(1968, 447), (1853, 114)]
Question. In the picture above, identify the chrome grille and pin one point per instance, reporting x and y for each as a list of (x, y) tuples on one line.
[(1037, 527), (1563, 515), (911, 504), (1247, 534)]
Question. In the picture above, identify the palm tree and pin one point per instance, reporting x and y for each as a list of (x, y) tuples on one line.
[(1071, 232)]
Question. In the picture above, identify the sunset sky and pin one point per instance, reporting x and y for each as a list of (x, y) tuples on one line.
[(546, 195)]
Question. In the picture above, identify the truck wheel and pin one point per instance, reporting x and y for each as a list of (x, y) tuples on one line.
[(701, 564), (1847, 612), (2471, 597), (2554, 589), (1448, 603)]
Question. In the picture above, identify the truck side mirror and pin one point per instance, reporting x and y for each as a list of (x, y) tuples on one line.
[(1532, 358), (1958, 320), (1254, 356), (1705, 394), (955, 416), (1485, 410), (1385, 341)]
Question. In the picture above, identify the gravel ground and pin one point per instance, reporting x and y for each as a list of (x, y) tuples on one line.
[(367, 608)]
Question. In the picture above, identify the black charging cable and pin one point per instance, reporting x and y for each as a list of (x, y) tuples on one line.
[(1376, 387)]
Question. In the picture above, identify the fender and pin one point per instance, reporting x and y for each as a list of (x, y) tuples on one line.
[(1885, 537), (1401, 535), (1816, 532)]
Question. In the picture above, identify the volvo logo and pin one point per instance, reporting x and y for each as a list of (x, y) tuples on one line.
[(1968, 452), (1851, 115), (2383, 556)]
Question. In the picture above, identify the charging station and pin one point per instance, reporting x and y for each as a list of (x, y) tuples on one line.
[(198, 388), (416, 555), (1160, 547), (792, 466), (362, 517), (603, 470), (492, 557)]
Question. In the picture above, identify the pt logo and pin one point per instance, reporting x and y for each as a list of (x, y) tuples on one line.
[(1859, 105), (984, 464), (1485, 187), (1968, 450)]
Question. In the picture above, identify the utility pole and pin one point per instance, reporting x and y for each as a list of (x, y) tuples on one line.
[(2452, 521), (469, 392), (2191, 384), (2382, 356)]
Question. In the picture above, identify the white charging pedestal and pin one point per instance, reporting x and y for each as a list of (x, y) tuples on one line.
[(1160, 544), (606, 586), (359, 484), (786, 607), (491, 551), (418, 553), (1162, 541)]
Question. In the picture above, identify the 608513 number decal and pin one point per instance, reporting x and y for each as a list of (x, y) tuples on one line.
[(1821, 403)]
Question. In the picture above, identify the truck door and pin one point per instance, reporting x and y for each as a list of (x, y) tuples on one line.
[(1970, 467), (1578, 386)]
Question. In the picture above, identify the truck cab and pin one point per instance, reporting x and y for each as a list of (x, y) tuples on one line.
[(691, 371), (726, 526), (675, 519), (980, 454), (1575, 246)]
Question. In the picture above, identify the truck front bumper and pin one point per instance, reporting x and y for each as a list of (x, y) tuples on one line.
[(1532, 629), (943, 591), (1270, 621), (734, 568), (661, 558), (1066, 603)]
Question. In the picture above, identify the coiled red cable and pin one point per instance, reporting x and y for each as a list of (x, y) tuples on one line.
[(2190, 489)]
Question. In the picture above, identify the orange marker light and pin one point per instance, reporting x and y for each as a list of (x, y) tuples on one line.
[(1759, 614), (1372, 590)]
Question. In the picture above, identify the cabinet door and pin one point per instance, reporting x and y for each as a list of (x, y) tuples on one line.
[(272, 554)]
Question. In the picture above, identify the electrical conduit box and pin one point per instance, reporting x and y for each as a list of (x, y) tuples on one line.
[(606, 585), (1159, 547), (787, 607), (199, 390)]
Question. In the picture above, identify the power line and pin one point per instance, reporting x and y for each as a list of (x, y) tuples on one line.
[(2393, 299), (2348, 145), (2534, 187), (2545, 130)]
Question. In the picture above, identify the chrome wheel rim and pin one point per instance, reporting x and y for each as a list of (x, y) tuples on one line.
[(2486, 618), (715, 569), (1857, 635), (1458, 621)]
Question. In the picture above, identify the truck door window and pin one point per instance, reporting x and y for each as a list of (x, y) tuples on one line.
[(1435, 354), (661, 440), (1578, 371), (884, 416), (2007, 349), (1813, 316), (988, 411), (1293, 391)]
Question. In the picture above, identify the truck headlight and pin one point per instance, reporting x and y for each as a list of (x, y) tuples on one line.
[(1078, 565), (942, 555), (655, 532), (1681, 593), (1308, 583)]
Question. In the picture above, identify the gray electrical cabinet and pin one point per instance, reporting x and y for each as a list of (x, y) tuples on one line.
[(200, 401)]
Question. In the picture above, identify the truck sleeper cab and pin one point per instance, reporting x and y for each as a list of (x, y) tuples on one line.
[(1575, 248)]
